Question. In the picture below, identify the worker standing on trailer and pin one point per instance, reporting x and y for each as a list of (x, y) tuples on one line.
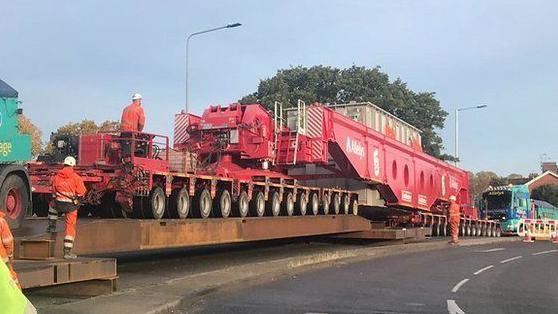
[(7, 246), (453, 217), (133, 116), (68, 188)]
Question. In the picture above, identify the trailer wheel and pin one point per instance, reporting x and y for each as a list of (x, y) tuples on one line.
[(14, 198), (462, 229), (354, 206), (468, 230), (258, 204), (336, 203), (478, 226), (157, 203), (179, 203), (302, 203), (203, 204), (273, 205), (498, 232), (288, 204), (242, 205), (491, 231), (346, 204), (314, 203), (222, 208), (325, 204)]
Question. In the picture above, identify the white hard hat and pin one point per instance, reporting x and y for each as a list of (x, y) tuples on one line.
[(452, 198), (70, 161), (136, 96)]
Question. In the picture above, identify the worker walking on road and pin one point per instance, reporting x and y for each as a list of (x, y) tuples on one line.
[(453, 217), (133, 117), (68, 188), (7, 246)]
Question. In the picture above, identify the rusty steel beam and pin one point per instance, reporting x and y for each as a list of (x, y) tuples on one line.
[(33, 274), (103, 236)]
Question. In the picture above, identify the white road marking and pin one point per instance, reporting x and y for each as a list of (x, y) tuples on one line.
[(461, 283), (493, 250), (453, 308), (544, 252), (483, 269), (510, 259)]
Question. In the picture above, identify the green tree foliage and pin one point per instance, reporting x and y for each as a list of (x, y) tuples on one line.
[(331, 85), (25, 126), (548, 193)]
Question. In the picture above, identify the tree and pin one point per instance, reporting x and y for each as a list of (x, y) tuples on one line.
[(331, 85), (25, 126), (547, 192), (86, 127), (480, 181)]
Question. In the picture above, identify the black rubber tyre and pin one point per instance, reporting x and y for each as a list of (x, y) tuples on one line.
[(156, 204), (203, 204), (179, 203), (346, 204), (14, 199), (222, 207), (257, 204), (242, 205), (302, 204), (444, 230), (354, 207), (336, 203), (314, 203), (288, 205), (326, 204), (273, 205)]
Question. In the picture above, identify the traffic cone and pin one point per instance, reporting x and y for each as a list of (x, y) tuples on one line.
[(555, 239), (527, 238)]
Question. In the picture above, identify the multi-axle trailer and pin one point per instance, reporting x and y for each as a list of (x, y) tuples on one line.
[(243, 161)]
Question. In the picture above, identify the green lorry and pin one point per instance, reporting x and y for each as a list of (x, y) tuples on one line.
[(15, 152)]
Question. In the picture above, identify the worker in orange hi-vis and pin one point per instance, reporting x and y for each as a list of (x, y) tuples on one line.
[(133, 116), (67, 188), (453, 218), (7, 246)]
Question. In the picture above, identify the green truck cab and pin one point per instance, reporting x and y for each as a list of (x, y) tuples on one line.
[(15, 152)]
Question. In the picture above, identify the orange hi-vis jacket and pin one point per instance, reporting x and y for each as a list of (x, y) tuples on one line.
[(67, 185), (133, 118), (6, 239), (453, 211)]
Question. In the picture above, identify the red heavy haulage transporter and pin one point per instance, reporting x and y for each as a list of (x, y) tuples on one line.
[(242, 160)]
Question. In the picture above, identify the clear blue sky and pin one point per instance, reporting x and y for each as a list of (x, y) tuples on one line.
[(72, 60)]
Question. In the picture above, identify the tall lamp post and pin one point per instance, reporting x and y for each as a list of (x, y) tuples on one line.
[(187, 51), (457, 128)]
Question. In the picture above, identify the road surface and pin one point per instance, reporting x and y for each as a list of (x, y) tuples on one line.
[(511, 277)]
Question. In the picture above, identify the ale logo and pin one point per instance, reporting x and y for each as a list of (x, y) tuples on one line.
[(355, 147)]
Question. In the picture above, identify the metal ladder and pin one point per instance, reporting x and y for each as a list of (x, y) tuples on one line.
[(279, 120)]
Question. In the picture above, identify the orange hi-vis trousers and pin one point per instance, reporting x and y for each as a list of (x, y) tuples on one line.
[(71, 221), (454, 227)]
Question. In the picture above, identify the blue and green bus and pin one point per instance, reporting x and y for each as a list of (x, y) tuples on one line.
[(508, 204)]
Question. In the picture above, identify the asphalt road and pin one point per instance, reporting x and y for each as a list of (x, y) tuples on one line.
[(511, 277)]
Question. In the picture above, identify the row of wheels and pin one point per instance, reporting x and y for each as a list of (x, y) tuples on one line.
[(479, 230), (467, 230), (202, 205)]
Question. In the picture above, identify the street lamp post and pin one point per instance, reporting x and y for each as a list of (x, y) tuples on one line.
[(457, 128), (187, 52)]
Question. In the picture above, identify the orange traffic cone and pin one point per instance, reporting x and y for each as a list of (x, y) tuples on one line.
[(527, 238)]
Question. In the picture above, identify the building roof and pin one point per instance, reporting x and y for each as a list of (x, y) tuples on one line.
[(541, 176), (6, 90)]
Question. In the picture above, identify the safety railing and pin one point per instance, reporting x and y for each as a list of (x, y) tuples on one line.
[(540, 229)]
